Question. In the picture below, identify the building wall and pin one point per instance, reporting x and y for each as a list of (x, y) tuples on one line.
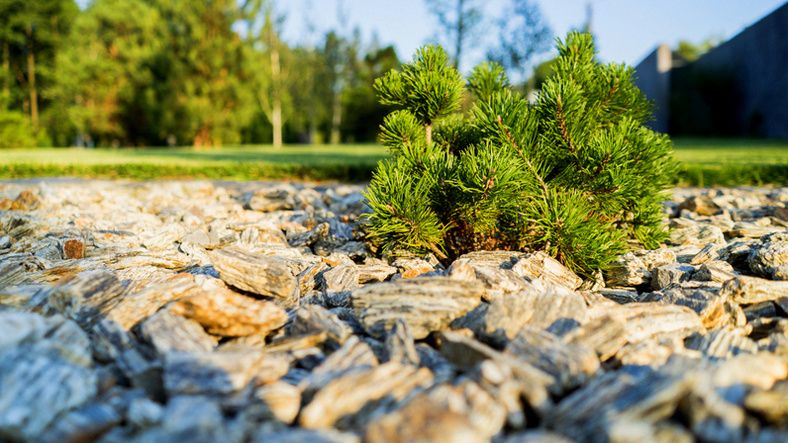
[(652, 76), (739, 88)]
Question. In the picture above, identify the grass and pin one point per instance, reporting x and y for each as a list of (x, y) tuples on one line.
[(731, 162), (704, 162)]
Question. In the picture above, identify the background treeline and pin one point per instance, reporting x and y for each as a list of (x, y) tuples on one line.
[(207, 73)]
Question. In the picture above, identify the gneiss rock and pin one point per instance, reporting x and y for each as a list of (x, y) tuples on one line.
[(314, 319), (279, 401), (750, 290), (538, 304), (136, 306), (664, 276), (220, 372), (264, 275), (224, 312), (424, 420), (541, 266), (771, 259), (39, 376), (426, 304), (468, 353), (352, 356), (86, 423), (170, 333), (714, 310), (571, 365), (714, 271), (347, 394), (590, 413), (87, 296)]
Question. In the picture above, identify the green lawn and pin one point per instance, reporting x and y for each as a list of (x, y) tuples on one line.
[(703, 162), (707, 162)]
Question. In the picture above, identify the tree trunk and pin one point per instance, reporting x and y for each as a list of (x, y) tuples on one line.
[(276, 100), (31, 82), (336, 119), (6, 73), (460, 33), (428, 133)]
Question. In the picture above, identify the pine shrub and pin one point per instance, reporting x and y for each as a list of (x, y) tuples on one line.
[(575, 173)]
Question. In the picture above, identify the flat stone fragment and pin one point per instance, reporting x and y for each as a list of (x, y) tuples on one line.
[(467, 353), (771, 259), (353, 355), (650, 320), (722, 343), (37, 386), (86, 423), (539, 265), (714, 271), (712, 251), (538, 305), (220, 372), (627, 270), (412, 267), (374, 272), (426, 304), (341, 278), (310, 319), (136, 306), (87, 296), (263, 275), (422, 420), (770, 404), (750, 290), (664, 276), (298, 435), (714, 310), (589, 414), (224, 312), (400, 346), (281, 401), (347, 394), (604, 334), (695, 234), (168, 332), (571, 365)]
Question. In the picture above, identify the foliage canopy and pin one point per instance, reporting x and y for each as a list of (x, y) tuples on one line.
[(576, 174)]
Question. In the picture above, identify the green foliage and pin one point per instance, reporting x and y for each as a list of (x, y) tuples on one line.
[(428, 87), (576, 174), (15, 130)]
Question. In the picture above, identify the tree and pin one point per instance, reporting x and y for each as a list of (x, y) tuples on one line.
[(106, 69), (460, 21), (272, 94), (203, 75), (577, 174), (30, 34), (522, 35), (692, 51)]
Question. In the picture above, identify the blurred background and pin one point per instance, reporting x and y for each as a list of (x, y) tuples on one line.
[(233, 73)]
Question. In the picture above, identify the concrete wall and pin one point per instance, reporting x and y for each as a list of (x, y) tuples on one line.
[(652, 76), (739, 88), (752, 68)]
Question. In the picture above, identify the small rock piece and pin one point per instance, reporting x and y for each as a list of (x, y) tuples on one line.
[(220, 372), (541, 266), (224, 312), (73, 249), (426, 304), (750, 290), (263, 275), (346, 395)]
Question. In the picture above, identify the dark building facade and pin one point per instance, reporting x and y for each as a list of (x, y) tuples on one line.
[(739, 88)]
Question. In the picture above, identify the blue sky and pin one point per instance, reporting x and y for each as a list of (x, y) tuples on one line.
[(627, 30)]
